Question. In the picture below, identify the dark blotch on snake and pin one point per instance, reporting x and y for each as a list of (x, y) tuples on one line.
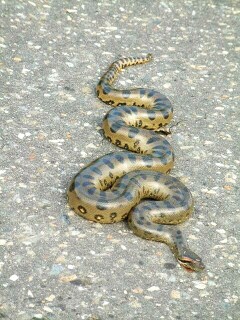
[(98, 217), (126, 93), (132, 157), (86, 176), (117, 142), (108, 163), (113, 215), (128, 196), (151, 114), (76, 184), (115, 127), (72, 187), (106, 88), (151, 93), (96, 170), (91, 191), (100, 206), (82, 209), (86, 183), (127, 110), (152, 139), (148, 160), (132, 132)]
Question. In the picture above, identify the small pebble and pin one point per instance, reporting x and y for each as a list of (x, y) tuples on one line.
[(137, 290), (30, 294), (221, 231), (175, 294), (200, 285), (69, 278), (3, 242), (71, 267), (21, 135), (14, 277), (47, 309), (153, 288), (38, 316), (167, 85), (50, 298)]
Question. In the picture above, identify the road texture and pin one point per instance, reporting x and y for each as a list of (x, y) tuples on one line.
[(56, 265)]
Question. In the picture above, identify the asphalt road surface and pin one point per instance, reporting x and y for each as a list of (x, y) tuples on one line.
[(56, 265)]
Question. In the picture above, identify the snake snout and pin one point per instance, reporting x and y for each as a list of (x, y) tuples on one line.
[(191, 262)]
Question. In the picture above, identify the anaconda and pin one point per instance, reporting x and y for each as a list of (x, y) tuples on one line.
[(134, 183)]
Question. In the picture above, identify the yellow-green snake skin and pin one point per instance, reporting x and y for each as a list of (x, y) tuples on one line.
[(134, 183)]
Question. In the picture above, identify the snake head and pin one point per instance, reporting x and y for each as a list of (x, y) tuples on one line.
[(190, 261)]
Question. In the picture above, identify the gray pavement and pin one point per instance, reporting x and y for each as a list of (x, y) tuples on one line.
[(56, 265)]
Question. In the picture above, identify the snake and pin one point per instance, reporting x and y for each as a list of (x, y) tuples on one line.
[(135, 183)]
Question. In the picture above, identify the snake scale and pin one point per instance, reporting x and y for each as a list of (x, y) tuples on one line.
[(134, 183)]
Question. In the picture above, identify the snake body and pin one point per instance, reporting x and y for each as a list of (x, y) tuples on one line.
[(111, 188)]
